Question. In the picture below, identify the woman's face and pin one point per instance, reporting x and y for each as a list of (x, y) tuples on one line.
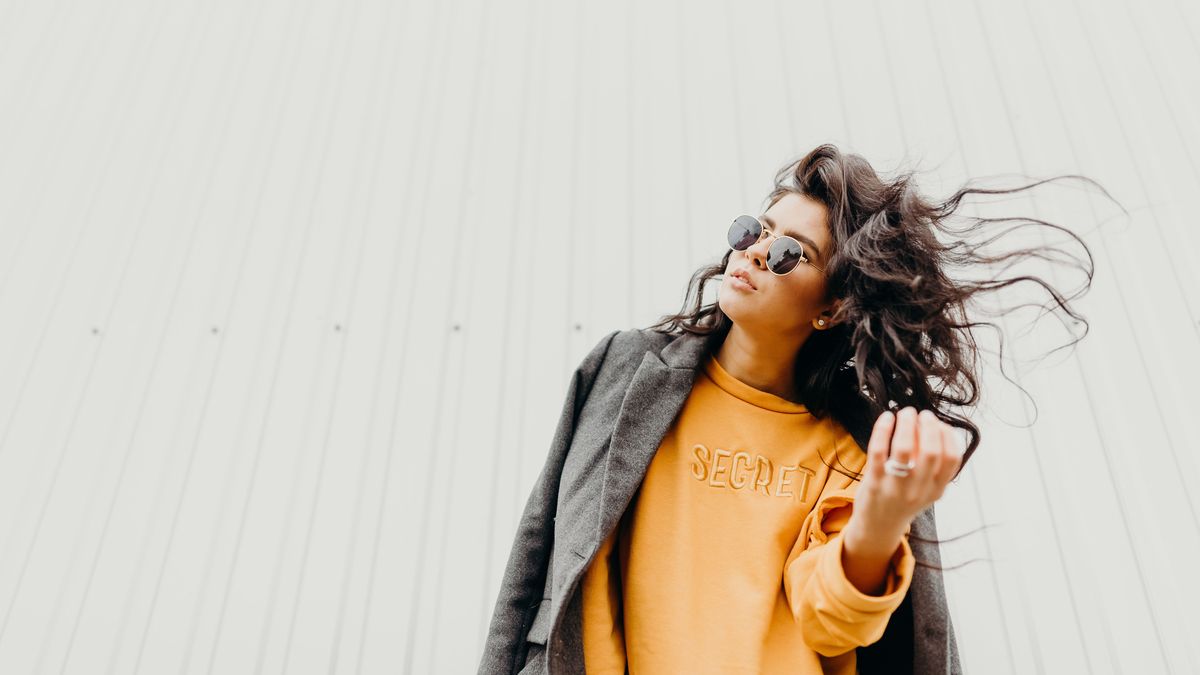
[(785, 304)]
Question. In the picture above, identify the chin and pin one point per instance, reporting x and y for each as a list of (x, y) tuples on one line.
[(731, 302)]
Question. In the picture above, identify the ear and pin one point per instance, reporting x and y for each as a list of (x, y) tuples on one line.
[(827, 315)]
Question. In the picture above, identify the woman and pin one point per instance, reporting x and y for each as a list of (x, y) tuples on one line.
[(734, 489)]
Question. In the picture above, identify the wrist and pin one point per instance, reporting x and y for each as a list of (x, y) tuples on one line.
[(872, 539), (867, 557)]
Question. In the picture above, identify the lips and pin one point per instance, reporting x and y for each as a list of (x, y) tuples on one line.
[(741, 274)]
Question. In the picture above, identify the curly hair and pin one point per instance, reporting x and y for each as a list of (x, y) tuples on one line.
[(901, 335)]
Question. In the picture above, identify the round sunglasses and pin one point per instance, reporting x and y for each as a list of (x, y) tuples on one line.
[(784, 254)]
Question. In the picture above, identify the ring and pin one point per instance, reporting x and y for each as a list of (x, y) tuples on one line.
[(895, 468)]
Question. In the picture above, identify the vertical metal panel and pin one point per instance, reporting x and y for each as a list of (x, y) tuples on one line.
[(291, 292)]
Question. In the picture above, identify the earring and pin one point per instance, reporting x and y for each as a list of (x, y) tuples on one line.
[(820, 322)]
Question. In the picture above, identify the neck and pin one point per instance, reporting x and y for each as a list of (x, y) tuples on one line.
[(765, 362)]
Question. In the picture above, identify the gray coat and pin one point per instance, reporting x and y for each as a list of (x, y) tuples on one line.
[(620, 403)]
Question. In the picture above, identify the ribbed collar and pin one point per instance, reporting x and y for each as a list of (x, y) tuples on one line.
[(745, 392)]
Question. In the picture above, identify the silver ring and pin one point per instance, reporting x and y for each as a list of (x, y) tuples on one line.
[(894, 468)]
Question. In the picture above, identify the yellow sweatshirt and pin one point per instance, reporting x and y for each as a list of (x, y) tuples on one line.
[(728, 559)]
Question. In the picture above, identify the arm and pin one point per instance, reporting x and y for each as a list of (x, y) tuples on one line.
[(867, 559), (883, 504), (524, 575), (832, 612)]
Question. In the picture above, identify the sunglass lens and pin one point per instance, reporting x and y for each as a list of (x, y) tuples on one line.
[(744, 231), (784, 255)]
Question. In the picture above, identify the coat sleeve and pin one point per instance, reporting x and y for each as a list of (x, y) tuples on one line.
[(524, 575), (938, 648), (833, 614)]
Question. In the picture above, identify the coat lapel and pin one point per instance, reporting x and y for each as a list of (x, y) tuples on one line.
[(655, 396)]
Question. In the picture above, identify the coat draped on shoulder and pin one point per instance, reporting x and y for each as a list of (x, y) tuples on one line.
[(620, 403)]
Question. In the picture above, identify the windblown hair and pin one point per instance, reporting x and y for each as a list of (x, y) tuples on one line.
[(901, 335)]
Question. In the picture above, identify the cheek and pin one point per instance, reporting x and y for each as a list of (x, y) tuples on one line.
[(806, 292)]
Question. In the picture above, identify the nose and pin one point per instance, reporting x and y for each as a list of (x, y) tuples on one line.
[(757, 253)]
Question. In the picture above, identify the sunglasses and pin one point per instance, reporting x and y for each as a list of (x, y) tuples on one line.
[(784, 254)]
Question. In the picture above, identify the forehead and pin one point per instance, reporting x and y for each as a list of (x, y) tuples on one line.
[(797, 214)]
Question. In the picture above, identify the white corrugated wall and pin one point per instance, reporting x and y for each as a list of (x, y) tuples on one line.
[(290, 293)]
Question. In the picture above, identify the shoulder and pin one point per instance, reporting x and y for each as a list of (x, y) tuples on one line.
[(630, 346), (632, 341), (854, 432), (640, 340), (623, 349)]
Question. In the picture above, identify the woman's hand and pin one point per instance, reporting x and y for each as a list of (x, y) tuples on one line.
[(884, 504)]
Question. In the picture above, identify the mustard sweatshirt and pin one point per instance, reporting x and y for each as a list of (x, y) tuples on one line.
[(728, 558)]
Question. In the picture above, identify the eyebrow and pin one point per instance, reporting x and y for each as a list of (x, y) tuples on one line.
[(803, 239)]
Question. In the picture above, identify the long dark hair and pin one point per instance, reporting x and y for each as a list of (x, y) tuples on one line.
[(901, 335)]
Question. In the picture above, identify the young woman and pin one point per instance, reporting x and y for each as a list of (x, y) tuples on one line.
[(748, 486)]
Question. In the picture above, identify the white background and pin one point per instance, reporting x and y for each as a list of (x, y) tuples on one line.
[(290, 293)]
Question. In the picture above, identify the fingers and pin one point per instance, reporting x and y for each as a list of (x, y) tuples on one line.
[(881, 441), (952, 455), (904, 440), (929, 458), (923, 440)]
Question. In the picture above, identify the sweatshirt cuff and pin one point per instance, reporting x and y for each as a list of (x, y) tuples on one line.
[(898, 579)]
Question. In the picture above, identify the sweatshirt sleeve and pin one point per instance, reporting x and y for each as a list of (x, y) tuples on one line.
[(833, 614)]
